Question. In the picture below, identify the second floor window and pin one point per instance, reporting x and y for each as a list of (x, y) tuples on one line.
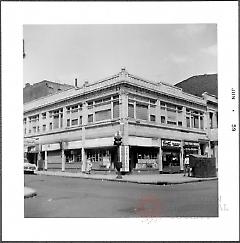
[(90, 118)]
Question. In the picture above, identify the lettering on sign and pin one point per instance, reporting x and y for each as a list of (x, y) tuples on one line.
[(191, 144), (171, 143)]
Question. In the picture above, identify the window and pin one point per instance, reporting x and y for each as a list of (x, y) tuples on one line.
[(141, 112), (115, 109), (152, 118), (201, 122), (68, 122), (179, 123), (80, 120), (38, 128), (217, 118), (130, 110), (195, 122), (74, 108), (188, 121), (74, 122), (24, 121), (34, 129), (90, 104), (163, 119), (90, 118), (211, 119), (103, 115), (171, 122), (44, 128), (44, 115), (29, 131), (25, 130), (68, 109), (56, 122), (50, 126)]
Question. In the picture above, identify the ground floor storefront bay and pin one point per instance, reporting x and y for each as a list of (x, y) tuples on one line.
[(163, 155)]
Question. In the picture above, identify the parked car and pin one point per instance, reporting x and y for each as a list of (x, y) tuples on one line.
[(29, 168)]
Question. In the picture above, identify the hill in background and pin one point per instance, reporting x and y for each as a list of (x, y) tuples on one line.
[(199, 84)]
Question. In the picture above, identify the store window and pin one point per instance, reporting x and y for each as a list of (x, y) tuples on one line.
[(90, 118), (179, 123), (141, 112), (103, 115)]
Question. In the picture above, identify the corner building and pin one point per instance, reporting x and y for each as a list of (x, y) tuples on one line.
[(158, 122)]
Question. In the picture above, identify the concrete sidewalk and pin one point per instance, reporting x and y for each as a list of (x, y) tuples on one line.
[(157, 179), (29, 192)]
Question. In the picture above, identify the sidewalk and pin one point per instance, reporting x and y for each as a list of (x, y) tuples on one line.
[(29, 192), (157, 179)]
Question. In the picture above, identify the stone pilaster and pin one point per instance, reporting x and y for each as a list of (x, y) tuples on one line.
[(46, 161), (182, 156), (63, 159), (84, 123), (160, 165)]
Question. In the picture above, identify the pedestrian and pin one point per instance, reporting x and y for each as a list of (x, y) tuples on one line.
[(186, 165), (89, 166)]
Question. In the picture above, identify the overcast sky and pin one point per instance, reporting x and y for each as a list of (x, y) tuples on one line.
[(168, 53)]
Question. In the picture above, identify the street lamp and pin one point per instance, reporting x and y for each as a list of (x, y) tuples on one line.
[(118, 142)]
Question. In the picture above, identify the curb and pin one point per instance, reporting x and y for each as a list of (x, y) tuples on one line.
[(135, 181), (29, 192)]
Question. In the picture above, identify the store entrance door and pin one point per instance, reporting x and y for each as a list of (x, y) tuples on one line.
[(171, 160)]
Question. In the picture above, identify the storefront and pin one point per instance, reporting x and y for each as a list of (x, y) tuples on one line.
[(171, 150), (52, 156), (32, 154), (143, 158), (102, 158), (73, 160), (191, 148)]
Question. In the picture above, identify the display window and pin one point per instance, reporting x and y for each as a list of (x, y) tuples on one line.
[(101, 159)]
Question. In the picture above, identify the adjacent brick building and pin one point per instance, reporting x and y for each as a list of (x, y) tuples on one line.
[(41, 89)]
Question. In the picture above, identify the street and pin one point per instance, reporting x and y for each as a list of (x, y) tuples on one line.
[(86, 198)]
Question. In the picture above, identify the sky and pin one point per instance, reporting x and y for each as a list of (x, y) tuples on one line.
[(159, 52)]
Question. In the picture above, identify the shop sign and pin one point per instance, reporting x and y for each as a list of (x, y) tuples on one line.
[(171, 143), (51, 147), (33, 149), (191, 144)]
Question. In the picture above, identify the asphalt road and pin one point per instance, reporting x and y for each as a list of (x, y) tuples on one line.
[(86, 198)]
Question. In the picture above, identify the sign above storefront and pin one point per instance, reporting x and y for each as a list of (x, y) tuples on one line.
[(51, 147), (192, 144), (171, 143)]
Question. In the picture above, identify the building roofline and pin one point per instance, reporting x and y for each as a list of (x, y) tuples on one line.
[(72, 92)]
